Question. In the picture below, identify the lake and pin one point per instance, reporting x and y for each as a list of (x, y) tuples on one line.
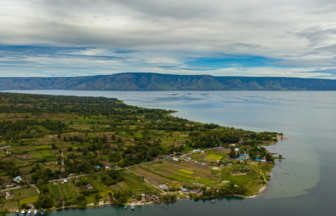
[(302, 184)]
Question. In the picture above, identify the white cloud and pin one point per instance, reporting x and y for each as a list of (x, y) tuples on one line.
[(168, 32)]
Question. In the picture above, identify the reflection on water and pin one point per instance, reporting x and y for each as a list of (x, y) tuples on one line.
[(303, 182)]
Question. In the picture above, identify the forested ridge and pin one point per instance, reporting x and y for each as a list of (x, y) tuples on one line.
[(166, 82)]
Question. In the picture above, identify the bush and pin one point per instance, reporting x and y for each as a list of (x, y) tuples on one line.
[(59, 205)]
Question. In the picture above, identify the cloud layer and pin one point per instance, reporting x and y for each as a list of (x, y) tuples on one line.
[(238, 37)]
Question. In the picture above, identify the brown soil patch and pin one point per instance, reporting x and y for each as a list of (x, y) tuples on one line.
[(151, 177)]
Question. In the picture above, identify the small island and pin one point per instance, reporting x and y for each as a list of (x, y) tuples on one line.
[(76, 152)]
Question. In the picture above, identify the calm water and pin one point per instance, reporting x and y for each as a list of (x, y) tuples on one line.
[(303, 183)]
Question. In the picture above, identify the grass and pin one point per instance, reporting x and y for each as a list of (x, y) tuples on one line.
[(74, 190), (186, 171), (46, 153), (55, 190), (68, 191), (28, 200), (35, 154), (214, 157), (11, 205), (32, 192), (62, 190), (115, 188), (41, 147), (20, 193)]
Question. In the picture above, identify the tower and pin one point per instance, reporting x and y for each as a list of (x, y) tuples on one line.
[(62, 165)]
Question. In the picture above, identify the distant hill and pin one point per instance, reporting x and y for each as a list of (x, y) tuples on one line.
[(165, 82)]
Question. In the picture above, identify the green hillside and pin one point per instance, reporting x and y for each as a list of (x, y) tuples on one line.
[(166, 82)]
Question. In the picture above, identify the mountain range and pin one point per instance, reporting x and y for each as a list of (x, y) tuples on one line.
[(165, 82)]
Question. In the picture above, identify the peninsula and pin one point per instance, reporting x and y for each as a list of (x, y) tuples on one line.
[(67, 151)]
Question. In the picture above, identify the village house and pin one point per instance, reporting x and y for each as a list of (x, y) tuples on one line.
[(10, 184), (163, 187), (18, 179), (89, 186), (9, 195), (184, 189)]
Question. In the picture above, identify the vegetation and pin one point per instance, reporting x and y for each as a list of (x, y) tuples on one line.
[(98, 137), (166, 82)]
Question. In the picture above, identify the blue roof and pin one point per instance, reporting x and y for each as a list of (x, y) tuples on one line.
[(244, 154), (98, 167), (257, 159), (166, 156), (18, 177), (242, 158)]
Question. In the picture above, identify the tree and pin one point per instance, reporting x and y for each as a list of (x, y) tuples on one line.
[(232, 153), (44, 201), (39, 182), (269, 157), (138, 197), (113, 137)]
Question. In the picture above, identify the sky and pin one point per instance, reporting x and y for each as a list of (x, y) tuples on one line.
[(48, 38)]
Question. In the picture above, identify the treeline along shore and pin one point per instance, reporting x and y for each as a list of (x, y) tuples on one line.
[(167, 82), (67, 151)]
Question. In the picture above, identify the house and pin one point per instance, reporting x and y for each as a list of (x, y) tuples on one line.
[(204, 164), (175, 159), (89, 186), (163, 187), (65, 181), (184, 189), (10, 184), (196, 150), (233, 144), (107, 167), (9, 195), (17, 179), (215, 168), (236, 149)]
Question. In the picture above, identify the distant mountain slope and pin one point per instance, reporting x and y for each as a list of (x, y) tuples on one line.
[(165, 82)]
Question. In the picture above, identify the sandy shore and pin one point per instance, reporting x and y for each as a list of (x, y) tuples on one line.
[(261, 190)]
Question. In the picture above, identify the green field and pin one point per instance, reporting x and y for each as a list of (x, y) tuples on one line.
[(214, 157), (46, 153), (55, 190), (28, 200), (41, 147), (68, 191), (35, 154), (186, 171)]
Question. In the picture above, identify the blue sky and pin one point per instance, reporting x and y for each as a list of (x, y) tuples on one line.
[(221, 38)]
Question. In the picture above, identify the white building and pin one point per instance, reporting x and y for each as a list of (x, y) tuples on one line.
[(17, 179)]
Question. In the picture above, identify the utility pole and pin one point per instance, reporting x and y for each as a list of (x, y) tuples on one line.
[(62, 165)]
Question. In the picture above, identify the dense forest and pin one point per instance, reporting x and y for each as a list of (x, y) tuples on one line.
[(166, 82)]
